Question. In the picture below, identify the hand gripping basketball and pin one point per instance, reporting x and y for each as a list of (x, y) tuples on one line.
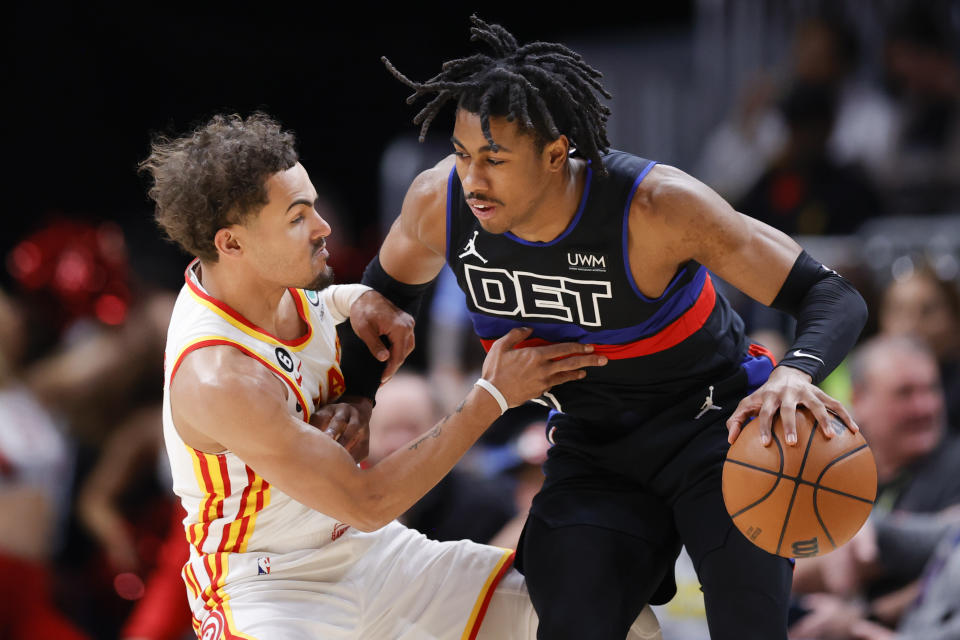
[(805, 500), (524, 373)]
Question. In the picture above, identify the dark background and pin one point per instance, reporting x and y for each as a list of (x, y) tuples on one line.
[(89, 84)]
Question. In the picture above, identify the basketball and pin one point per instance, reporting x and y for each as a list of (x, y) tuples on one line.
[(804, 500)]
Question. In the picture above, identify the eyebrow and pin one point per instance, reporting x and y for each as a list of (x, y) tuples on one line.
[(299, 201), (485, 147)]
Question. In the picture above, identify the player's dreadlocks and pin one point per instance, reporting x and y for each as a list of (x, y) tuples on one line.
[(545, 85)]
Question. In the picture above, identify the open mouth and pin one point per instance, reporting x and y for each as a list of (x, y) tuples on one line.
[(482, 209)]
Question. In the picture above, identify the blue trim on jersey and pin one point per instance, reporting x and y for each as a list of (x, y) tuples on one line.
[(570, 227), (453, 172), (626, 237), (758, 369), (487, 326)]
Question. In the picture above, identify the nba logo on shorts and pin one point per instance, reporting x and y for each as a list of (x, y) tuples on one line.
[(339, 530), (263, 566), (213, 626)]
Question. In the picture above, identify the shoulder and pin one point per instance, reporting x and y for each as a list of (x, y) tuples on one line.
[(218, 390), (428, 191), (671, 196), (217, 372)]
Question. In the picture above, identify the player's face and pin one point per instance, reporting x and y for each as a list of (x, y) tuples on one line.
[(286, 240), (502, 187)]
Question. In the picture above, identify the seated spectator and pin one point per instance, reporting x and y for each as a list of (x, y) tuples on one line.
[(935, 613), (898, 403), (463, 505), (825, 52), (923, 304), (35, 478), (921, 173), (804, 190)]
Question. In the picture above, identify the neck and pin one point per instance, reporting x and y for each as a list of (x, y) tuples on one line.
[(553, 212), (259, 302)]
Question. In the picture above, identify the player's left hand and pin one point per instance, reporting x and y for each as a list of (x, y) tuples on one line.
[(784, 390), (347, 422), (372, 316)]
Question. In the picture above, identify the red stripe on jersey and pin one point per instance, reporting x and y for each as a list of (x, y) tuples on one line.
[(211, 496), (670, 336), (225, 479), (760, 350)]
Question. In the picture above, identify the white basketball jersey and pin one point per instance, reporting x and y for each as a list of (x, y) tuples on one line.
[(230, 509)]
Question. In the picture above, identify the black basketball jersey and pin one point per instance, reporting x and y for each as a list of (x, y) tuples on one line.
[(579, 287)]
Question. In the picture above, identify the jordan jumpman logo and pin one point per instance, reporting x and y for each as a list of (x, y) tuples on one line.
[(707, 405), (471, 248)]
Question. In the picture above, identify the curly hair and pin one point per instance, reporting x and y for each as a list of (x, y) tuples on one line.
[(215, 176), (547, 87)]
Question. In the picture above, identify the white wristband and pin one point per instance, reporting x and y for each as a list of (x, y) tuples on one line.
[(344, 295), (492, 390)]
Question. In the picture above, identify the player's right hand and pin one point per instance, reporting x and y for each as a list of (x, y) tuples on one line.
[(525, 373)]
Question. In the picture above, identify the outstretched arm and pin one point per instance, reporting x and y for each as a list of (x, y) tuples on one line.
[(224, 400)]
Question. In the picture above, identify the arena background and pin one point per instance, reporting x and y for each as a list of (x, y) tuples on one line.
[(88, 84)]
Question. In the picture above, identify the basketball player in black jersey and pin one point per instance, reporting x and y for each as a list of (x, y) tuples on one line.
[(545, 227)]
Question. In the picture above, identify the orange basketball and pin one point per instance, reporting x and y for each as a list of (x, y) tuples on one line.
[(804, 500)]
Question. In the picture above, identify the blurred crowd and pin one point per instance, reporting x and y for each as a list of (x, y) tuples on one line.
[(91, 542)]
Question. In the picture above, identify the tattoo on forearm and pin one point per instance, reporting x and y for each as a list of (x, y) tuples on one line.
[(433, 433)]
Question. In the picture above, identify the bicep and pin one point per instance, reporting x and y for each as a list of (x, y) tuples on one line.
[(756, 260), (405, 257), (414, 250), (748, 254)]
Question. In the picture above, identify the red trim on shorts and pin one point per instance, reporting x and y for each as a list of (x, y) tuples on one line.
[(673, 334), (486, 598), (757, 350)]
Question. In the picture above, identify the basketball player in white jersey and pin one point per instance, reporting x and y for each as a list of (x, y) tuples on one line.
[(288, 537)]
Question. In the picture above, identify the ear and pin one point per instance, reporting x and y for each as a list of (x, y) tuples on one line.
[(555, 153), (228, 241)]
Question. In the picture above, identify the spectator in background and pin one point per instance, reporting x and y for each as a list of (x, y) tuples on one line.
[(921, 173), (923, 304), (825, 53), (898, 403), (144, 545), (463, 505), (935, 613), (35, 478), (805, 190), (99, 369)]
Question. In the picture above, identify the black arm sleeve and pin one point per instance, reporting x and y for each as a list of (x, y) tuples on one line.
[(361, 371), (830, 314)]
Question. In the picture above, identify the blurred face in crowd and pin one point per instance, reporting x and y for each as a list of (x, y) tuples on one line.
[(404, 410), (899, 405), (285, 241), (12, 335), (917, 305), (815, 54)]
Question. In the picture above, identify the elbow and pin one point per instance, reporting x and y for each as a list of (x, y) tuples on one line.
[(371, 506), (857, 308)]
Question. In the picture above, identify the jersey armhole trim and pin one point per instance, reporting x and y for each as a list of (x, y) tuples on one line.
[(210, 341)]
